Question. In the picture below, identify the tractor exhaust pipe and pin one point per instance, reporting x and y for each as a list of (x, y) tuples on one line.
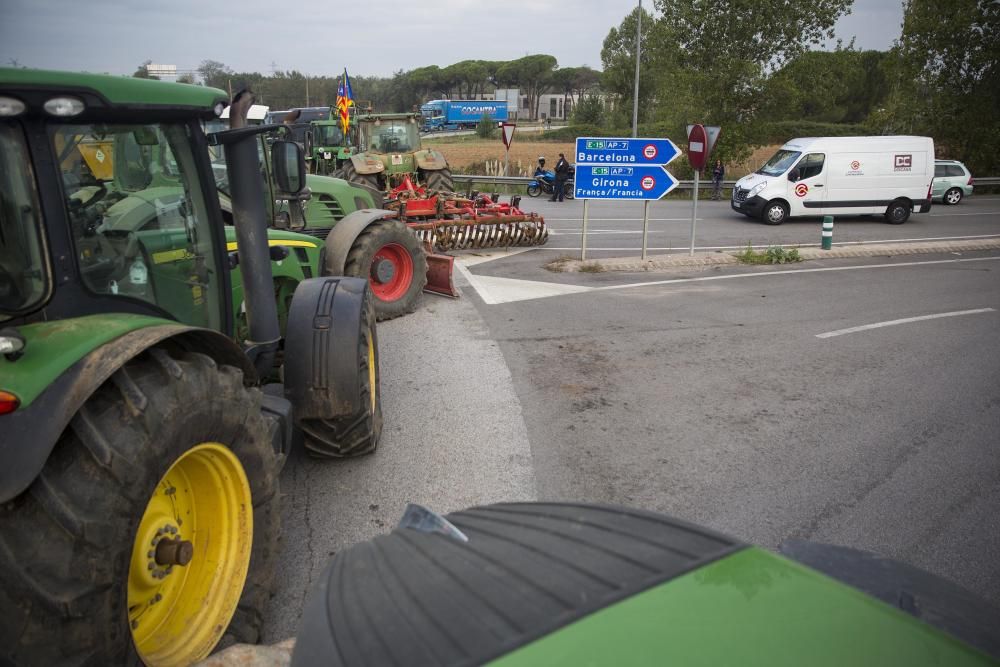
[(250, 220)]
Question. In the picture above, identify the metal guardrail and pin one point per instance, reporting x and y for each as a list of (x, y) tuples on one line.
[(682, 185), (524, 180)]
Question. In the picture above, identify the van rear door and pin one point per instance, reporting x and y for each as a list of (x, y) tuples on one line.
[(807, 185)]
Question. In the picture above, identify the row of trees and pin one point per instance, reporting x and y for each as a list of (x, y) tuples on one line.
[(715, 62), (534, 75), (712, 61)]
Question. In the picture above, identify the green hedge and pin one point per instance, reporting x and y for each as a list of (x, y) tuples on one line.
[(778, 132)]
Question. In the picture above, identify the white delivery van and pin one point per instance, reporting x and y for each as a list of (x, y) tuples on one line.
[(850, 176)]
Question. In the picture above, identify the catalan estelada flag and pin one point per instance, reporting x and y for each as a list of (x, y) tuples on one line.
[(345, 99)]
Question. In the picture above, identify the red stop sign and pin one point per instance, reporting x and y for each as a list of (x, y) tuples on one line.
[(697, 147)]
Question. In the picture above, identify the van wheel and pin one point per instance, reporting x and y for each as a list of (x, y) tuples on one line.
[(775, 213), (898, 212), (953, 196)]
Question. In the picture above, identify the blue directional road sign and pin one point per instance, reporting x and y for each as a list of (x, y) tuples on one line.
[(618, 182), (624, 151)]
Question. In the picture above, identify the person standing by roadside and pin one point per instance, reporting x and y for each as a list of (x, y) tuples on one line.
[(718, 175), (562, 173)]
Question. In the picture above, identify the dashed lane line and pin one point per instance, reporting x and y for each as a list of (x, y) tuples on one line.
[(905, 320)]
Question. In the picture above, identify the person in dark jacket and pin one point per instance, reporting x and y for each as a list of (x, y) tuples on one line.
[(718, 175), (562, 174)]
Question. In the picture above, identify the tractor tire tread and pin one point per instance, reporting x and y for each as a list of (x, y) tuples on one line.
[(359, 433), (360, 257), (351, 175), (66, 542), (440, 180)]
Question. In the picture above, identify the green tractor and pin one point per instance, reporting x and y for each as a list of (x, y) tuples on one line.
[(330, 150), (568, 584), (389, 151), (142, 424), (358, 238)]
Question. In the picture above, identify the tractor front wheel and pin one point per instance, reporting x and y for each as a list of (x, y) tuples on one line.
[(440, 181), (153, 526), (389, 256), (349, 173)]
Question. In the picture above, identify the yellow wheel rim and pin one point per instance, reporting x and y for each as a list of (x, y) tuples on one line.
[(371, 369), (190, 558)]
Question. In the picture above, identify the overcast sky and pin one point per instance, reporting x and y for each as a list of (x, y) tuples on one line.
[(322, 37)]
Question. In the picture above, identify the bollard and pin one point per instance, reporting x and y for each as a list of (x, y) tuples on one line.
[(827, 232)]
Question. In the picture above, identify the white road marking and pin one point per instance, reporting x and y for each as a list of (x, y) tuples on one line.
[(953, 215), (505, 290), (493, 290), (639, 219), (905, 320), (481, 256), (790, 271), (761, 245)]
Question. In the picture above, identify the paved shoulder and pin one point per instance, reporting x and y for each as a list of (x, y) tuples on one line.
[(454, 437)]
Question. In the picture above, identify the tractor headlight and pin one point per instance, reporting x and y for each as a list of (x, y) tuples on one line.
[(219, 108), (64, 107), (10, 106)]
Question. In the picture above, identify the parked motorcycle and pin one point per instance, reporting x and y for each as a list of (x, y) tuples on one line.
[(546, 184)]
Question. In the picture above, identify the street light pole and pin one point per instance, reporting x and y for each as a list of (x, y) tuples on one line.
[(635, 95)]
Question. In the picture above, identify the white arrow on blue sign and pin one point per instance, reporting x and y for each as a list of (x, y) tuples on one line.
[(621, 182), (624, 151)]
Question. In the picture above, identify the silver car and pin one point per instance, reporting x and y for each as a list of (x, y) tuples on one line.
[(952, 181)]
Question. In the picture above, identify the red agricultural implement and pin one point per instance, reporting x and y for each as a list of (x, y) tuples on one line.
[(400, 263), (447, 221)]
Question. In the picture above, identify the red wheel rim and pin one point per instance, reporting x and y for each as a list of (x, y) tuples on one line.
[(402, 272)]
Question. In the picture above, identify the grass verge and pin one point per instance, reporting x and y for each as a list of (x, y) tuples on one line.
[(772, 255), (558, 265)]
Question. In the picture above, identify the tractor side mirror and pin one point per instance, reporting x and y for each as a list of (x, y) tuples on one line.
[(289, 166)]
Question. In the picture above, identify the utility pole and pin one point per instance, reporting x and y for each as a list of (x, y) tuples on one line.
[(635, 95)]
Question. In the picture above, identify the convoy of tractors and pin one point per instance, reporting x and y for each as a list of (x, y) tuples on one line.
[(168, 318), (180, 300)]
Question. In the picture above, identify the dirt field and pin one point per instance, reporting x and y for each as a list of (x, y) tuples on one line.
[(467, 155), (486, 156)]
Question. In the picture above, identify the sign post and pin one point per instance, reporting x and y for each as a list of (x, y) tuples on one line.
[(622, 169), (507, 134), (697, 155)]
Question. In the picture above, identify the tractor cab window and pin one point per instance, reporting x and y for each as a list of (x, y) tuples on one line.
[(328, 135), (394, 136), (23, 267), (138, 217)]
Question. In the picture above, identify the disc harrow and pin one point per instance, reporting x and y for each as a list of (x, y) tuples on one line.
[(453, 222)]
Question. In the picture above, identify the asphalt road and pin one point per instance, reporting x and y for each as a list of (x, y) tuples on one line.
[(712, 400), (615, 228)]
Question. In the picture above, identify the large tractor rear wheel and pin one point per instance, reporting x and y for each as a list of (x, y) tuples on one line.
[(151, 529), (440, 181), (350, 174), (389, 256), (357, 434)]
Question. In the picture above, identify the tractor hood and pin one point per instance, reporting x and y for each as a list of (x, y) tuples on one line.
[(430, 160)]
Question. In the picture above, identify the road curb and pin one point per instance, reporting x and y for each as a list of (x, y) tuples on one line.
[(718, 258)]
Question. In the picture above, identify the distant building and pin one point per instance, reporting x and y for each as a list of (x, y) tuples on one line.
[(554, 106)]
